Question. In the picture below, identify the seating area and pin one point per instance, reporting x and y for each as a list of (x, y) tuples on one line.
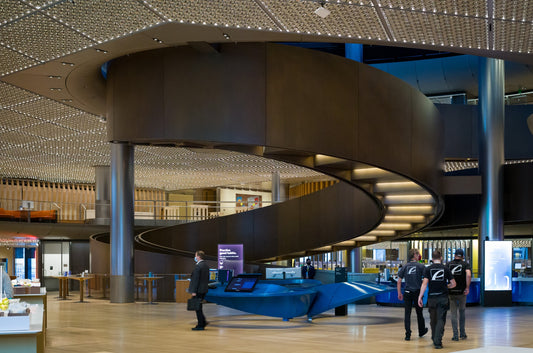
[(26, 215)]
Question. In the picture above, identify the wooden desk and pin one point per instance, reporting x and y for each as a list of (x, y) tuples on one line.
[(82, 284), (63, 286), (150, 280)]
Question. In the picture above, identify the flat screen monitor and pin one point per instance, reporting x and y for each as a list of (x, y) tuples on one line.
[(293, 272), (242, 284), (275, 273)]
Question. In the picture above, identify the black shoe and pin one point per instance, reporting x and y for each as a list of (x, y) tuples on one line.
[(438, 346), (407, 338), (423, 332), (197, 328), (463, 337), (455, 338)]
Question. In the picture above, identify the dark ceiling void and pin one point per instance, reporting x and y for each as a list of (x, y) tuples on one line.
[(377, 54)]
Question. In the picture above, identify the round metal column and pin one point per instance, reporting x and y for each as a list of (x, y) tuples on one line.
[(355, 260), (491, 154), (354, 52), (102, 194), (275, 187), (122, 194)]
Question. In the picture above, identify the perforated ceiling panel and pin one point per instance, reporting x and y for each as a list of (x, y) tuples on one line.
[(228, 13), (474, 8), (347, 19), (114, 18), (42, 38), (428, 28), (11, 10), (11, 61)]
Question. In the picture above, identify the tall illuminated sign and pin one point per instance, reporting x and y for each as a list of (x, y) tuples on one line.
[(498, 265)]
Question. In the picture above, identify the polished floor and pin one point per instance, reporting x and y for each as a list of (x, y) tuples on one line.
[(98, 326)]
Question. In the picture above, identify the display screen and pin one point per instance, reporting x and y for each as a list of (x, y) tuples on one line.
[(498, 265), (241, 284)]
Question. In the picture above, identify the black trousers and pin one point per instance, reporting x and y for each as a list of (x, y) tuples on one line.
[(410, 299), (438, 307), (199, 313)]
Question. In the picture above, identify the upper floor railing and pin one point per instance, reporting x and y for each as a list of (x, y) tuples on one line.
[(144, 210)]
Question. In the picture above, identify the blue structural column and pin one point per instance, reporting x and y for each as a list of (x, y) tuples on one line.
[(491, 154), (354, 52), (122, 194)]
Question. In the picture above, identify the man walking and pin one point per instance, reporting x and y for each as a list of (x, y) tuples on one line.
[(438, 279), (462, 274), (199, 286), (412, 272)]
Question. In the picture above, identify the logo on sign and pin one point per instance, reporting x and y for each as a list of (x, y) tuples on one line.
[(437, 275)]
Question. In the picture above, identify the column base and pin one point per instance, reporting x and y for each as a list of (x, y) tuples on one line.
[(122, 289), (498, 298)]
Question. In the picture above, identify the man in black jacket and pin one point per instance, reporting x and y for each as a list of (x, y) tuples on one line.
[(199, 286), (438, 279), (412, 272), (463, 276)]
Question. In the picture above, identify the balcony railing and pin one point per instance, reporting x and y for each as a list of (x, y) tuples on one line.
[(145, 211)]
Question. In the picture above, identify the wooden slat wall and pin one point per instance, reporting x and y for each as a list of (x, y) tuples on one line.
[(68, 197), (153, 195), (308, 188)]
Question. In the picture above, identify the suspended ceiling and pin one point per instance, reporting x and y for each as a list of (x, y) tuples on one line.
[(52, 103)]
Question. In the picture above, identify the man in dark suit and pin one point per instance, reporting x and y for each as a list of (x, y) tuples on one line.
[(198, 286), (308, 271)]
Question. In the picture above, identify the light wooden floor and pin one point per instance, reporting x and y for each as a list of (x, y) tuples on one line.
[(99, 326)]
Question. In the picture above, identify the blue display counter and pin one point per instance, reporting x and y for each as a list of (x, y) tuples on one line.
[(291, 298), (522, 293)]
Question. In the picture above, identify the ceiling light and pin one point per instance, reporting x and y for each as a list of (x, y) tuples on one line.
[(101, 51), (226, 36), (322, 11), (157, 40), (64, 63), (56, 77)]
